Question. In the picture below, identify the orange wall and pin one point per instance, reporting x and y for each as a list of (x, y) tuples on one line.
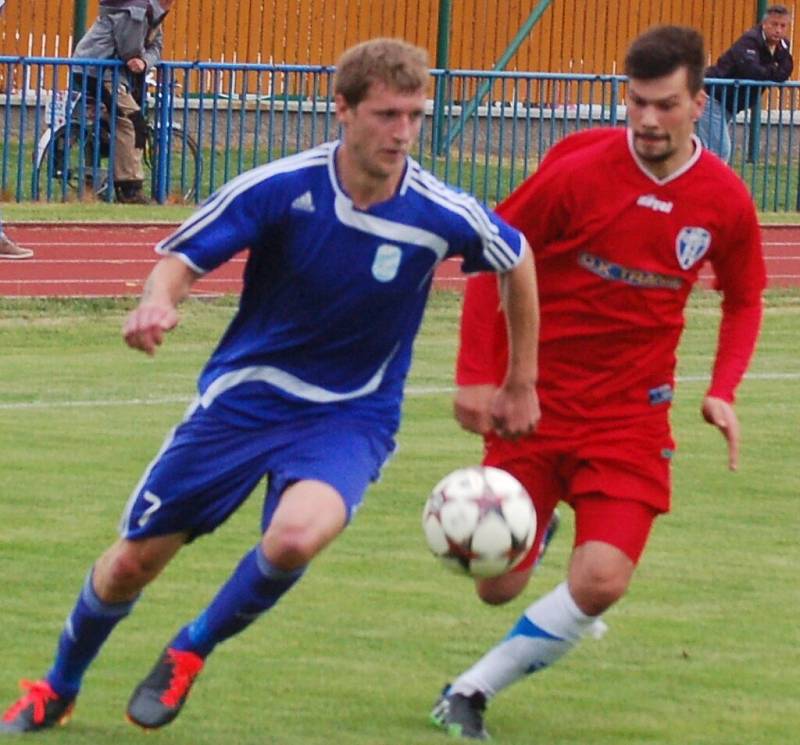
[(573, 35)]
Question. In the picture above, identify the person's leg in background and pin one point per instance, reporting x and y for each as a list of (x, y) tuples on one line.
[(713, 129), (128, 170)]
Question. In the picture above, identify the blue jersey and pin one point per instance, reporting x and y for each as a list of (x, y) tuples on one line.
[(333, 295)]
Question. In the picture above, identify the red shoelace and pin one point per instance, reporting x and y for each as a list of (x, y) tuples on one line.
[(39, 693)]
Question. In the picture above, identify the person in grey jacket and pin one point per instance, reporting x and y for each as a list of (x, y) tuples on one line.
[(761, 53), (130, 31)]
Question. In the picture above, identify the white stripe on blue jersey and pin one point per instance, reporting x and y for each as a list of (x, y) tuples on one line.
[(290, 383), (391, 230)]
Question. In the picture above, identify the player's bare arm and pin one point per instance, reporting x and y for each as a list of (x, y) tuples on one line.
[(739, 327), (168, 284), (472, 406), (722, 415), (515, 408)]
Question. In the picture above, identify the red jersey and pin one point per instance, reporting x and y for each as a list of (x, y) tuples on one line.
[(617, 252)]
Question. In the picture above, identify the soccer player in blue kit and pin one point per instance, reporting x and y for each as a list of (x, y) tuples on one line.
[(306, 384)]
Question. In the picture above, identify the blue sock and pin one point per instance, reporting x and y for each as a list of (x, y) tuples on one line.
[(253, 588), (85, 631)]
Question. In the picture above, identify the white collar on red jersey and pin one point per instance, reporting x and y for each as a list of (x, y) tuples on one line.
[(698, 149)]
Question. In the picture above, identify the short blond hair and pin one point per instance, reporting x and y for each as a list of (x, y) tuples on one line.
[(393, 62)]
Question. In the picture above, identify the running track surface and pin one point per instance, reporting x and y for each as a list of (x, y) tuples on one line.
[(113, 260)]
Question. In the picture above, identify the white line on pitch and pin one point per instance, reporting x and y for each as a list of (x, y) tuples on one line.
[(411, 391)]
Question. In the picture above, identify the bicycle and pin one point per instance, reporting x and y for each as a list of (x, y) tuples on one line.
[(73, 152)]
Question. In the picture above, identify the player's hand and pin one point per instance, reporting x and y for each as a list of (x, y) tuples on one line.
[(721, 414), (136, 64), (145, 326), (472, 407), (515, 411)]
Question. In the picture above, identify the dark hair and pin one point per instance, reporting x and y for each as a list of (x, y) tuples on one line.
[(776, 10), (394, 62), (661, 50)]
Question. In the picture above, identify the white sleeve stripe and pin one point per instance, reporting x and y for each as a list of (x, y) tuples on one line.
[(184, 258), (504, 262), (496, 250), (461, 202), (430, 182), (214, 207), (275, 166)]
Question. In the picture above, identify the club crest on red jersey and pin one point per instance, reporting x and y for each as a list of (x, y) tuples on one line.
[(691, 245)]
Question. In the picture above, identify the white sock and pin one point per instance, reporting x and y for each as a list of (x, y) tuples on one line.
[(544, 633)]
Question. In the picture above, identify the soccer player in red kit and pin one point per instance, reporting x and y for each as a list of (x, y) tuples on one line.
[(620, 221)]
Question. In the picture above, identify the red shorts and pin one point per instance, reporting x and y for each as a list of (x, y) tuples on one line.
[(617, 481)]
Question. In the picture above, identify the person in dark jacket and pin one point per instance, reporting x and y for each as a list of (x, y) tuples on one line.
[(130, 31), (762, 53)]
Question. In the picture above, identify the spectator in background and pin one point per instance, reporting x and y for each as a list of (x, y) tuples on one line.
[(130, 31), (9, 249), (762, 53)]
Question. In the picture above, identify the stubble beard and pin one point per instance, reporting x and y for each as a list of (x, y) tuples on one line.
[(650, 157)]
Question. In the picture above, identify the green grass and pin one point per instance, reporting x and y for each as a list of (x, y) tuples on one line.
[(173, 213), (92, 212), (703, 651), (774, 187)]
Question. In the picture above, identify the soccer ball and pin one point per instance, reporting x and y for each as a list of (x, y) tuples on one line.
[(479, 521)]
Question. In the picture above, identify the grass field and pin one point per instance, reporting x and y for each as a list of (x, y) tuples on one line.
[(172, 213), (705, 650)]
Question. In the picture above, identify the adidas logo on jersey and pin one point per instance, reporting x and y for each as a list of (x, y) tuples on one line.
[(657, 205), (304, 203)]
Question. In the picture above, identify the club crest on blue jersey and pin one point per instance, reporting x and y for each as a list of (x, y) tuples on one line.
[(691, 245), (387, 262)]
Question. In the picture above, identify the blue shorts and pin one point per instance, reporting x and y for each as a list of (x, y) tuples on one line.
[(206, 468)]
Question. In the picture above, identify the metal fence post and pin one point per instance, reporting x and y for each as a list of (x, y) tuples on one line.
[(78, 21), (470, 107), (614, 102), (443, 63), (163, 104), (755, 109)]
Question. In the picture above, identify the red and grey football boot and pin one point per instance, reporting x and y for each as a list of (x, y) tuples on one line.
[(39, 708), (159, 698)]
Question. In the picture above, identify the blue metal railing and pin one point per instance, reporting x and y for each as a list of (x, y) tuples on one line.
[(485, 131)]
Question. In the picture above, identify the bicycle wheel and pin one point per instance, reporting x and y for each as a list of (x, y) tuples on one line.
[(72, 164), (180, 167)]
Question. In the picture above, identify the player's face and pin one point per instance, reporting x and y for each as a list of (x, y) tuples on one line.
[(775, 28), (381, 129), (662, 113)]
